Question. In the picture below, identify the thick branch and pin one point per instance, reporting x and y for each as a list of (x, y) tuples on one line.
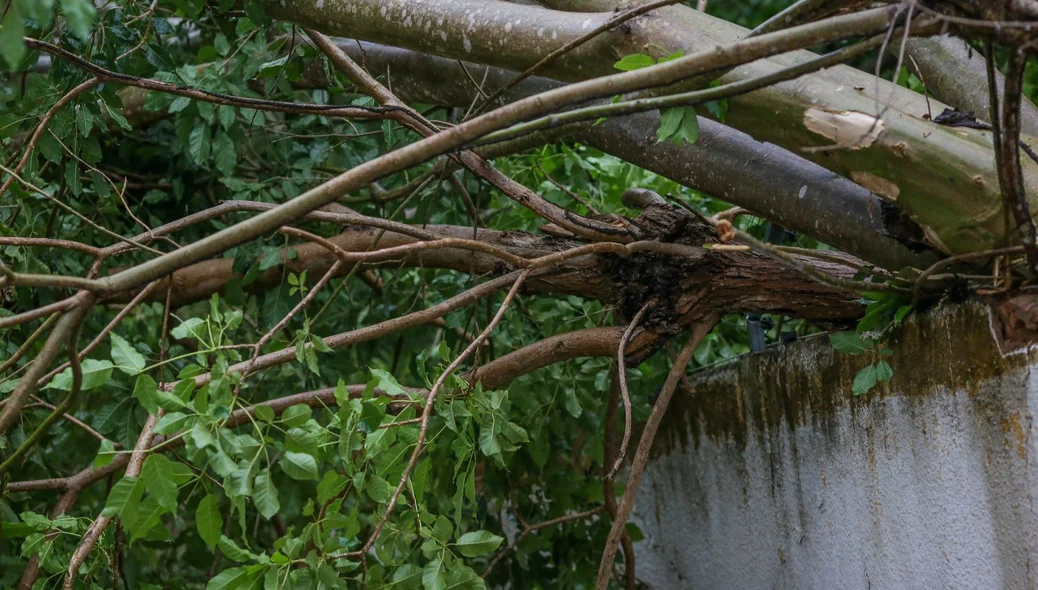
[(725, 163), (944, 178)]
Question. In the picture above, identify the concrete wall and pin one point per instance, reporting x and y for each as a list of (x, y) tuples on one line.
[(772, 475)]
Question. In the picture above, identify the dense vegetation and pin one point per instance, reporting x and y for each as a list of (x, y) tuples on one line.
[(146, 458)]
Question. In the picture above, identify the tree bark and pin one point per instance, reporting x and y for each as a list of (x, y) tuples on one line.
[(724, 163), (943, 178), (685, 286)]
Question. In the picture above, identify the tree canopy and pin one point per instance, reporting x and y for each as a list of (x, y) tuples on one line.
[(394, 294)]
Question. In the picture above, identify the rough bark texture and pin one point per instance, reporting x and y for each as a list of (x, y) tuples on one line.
[(944, 178), (685, 287)]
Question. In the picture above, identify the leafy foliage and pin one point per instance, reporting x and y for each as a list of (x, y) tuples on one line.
[(287, 493)]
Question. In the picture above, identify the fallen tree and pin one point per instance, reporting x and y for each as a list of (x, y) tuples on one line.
[(488, 257)]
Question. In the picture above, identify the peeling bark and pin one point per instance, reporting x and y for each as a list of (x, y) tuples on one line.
[(724, 163), (946, 178)]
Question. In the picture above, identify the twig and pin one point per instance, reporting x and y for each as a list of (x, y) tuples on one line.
[(35, 138), (66, 403), (580, 226), (129, 307), (79, 215), (920, 282), (609, 486), (566, 190), (398, 251), (65, 327), (29, 342), (50, 243), (536, 527), (430, 402), (826, 279), (621, 359), (86, 427), (641, 456), (358, 112), (570, 46), (1010, 172)]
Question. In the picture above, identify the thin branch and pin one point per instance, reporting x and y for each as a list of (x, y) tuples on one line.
[(1010, 172), (695, 97), (533, 528), (570, 46), (587, 228), (430, 403), (42, 125), (641, 456), (56, 414), (609, 486), (29, 342), (621, 359), (920, 282), (50, 243), (129, 307), (356, 112), (65, 327), (79, 215), (399, 251), (39, 312)]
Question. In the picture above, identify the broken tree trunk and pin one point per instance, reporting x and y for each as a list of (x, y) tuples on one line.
[(944, 178)]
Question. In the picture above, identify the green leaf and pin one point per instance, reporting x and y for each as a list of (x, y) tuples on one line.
[(147, 393), (95, 374), (299, 466), (884, 372), (149, 517), (478, 543), (670, 121), (189, 328), (407, 577), (265, 413), (126, 358), (224, 156), (849, 342), (462, 577), (84, 120), (198, 143), (233, 551), (718, 108), (12, 31), (688, 131), (388, 383), (80, 15), (118, 118), (433, 577), (331, 485), (171, 422), (105, 454), (266, 495), (865, 380), (157, 476), (635, 61), (208, 520), (124, 500), (41, 11), (378, 489), (235, 578), (488, 442), (296, 415)]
